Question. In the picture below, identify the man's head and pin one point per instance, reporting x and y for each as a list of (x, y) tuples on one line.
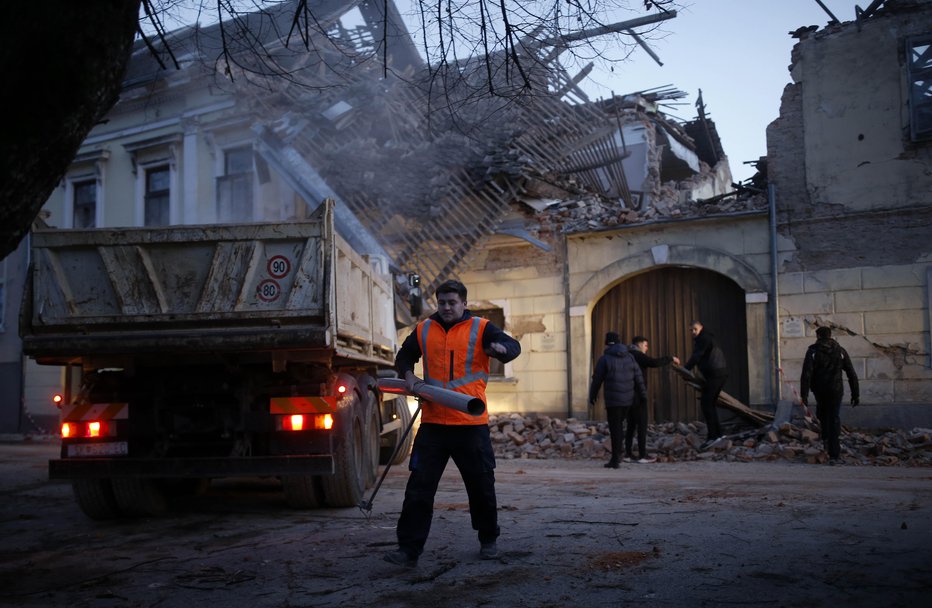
[(451, 301), (611, 338), (695, 328), (823, 333), (640, 343)]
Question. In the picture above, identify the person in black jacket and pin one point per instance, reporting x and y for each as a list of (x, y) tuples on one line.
[(825, 360), (709, 359), (637, 414), (624, 383)]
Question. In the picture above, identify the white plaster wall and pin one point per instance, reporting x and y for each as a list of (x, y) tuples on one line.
[(597, 262), (878, 314)]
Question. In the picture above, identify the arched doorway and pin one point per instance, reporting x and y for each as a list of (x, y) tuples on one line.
[(659, 304)]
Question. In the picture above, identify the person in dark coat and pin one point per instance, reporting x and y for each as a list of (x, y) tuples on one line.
[(624, 383), (709, 359), (637, 414), (822, 368)]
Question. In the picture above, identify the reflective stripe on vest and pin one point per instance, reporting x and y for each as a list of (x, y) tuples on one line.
[(453, 359)]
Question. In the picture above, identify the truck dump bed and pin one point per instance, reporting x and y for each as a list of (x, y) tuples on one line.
[(219, 288)]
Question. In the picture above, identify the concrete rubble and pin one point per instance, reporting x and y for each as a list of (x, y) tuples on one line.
[(544, 437)]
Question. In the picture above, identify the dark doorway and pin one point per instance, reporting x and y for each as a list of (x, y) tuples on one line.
[(659, 305)]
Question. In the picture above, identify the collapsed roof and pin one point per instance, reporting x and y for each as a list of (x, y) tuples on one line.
[(427, 166)]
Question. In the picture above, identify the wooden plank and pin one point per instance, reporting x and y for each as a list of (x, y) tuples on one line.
[(724, 399)]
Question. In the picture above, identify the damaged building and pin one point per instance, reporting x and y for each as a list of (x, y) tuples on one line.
[(565, 216)]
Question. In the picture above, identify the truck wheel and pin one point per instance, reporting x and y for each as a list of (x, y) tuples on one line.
[(303, 491), (139, 497), (373, 434), (404, 415), (346, 486), (96, 499)]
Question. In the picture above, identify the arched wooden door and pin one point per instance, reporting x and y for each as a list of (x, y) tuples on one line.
[(659, 305)]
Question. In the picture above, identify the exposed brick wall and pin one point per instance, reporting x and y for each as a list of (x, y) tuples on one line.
[(786, 158)]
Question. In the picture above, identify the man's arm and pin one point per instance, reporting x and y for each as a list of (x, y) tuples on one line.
[(852, 378), (806, 376), (597, 377), (700, 346), (408, 355), (648, 361), (500, 345), (639, 384)]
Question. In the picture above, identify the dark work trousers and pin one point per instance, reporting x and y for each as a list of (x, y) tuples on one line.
[(637, 420), (616, 423), (470, 447), (708, 397), (828, 406)]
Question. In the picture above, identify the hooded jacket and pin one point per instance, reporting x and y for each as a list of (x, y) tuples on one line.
[(622, 377), (825, 360)]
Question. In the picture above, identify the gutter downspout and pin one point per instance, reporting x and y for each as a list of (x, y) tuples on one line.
[(774, 292), (566, 322)]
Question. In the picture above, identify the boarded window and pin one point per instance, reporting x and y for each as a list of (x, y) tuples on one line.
[(496, 316), (85, 204), (919, 65), (157, 196)]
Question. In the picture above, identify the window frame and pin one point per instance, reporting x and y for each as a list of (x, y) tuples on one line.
[(920, 100), (226, 179), (165, 195)]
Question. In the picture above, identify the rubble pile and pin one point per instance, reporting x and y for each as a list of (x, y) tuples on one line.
[(592, 213), (545, 437)]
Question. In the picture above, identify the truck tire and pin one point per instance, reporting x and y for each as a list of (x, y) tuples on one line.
[(139, 497), (303, 491), (96, 499), (346, 486), (373, 434), (404, 415)]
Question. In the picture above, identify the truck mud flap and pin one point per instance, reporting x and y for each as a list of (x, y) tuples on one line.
[(260, 466)]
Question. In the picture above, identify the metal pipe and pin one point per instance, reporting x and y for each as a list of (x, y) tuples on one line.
[(567, 333), (435, 394), (774, 291)]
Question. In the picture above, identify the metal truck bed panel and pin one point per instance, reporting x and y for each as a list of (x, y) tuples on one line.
[(223, 287)]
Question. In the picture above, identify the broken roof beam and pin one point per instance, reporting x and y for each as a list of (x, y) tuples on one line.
[(564, 40)]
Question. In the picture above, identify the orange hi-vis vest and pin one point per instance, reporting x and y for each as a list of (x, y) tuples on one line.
[(454, 360)]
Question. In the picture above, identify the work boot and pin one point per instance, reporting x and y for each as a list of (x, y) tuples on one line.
[(488, 550), (400, 557)]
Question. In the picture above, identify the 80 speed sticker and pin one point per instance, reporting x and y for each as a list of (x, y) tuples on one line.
[(268, 290)]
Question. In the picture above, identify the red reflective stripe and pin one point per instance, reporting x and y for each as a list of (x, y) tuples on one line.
[(302, 405), (95, 411)]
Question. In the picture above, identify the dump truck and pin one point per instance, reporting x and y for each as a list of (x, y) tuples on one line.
[(204, 352)]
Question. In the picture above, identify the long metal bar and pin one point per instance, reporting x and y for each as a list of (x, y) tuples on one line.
[(774, 295), (366, 505)]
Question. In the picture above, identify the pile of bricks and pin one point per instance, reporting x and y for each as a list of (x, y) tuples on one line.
[(544, 437)]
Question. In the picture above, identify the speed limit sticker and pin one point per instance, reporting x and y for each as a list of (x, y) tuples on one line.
[(279, 266), (268, 290)]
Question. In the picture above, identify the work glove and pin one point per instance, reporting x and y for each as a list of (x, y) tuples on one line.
[(855, 401)]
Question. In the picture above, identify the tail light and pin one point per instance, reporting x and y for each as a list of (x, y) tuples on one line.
[(89, 429), (303, 422)]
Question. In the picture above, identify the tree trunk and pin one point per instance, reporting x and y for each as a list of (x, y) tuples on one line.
[(62, 63)]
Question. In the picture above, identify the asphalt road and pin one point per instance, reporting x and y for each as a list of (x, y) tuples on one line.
[(574, 534)]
